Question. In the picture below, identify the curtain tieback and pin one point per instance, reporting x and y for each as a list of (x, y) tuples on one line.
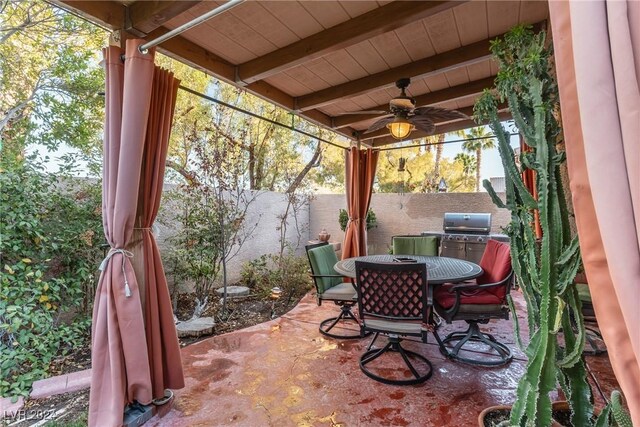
[(125, 254), (153, 229)]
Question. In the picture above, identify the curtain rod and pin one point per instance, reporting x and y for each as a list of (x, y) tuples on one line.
[(186, 26), (233, 107), (442, 143)]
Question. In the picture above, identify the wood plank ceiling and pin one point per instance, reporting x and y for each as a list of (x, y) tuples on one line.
[(321, 59)]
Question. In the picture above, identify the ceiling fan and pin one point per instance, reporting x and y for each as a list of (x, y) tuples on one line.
[(403, 116)]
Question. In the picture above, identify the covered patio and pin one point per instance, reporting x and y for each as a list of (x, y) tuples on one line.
[(325, 61), (285, 373)]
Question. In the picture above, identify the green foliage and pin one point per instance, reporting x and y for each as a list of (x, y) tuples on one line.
[(271, 157), (79, 420), (211, 229), (288, 272), (49, 250), (49, 79), (476, 146), (343, 219), (546, 268), (614, 414)]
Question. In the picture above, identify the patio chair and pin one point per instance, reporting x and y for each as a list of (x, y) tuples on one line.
[(331, 287), (415, 245), (478, 302), (393, 300)]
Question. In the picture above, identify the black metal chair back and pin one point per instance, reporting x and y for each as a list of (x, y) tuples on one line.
[(395, 291), (394, 300)]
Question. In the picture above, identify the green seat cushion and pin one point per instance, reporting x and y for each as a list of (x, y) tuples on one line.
[(341, 292), (322, 260), (415, 245), (426, 245), (403, 245)]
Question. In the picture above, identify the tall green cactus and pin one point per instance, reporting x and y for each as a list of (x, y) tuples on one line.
[(546, 268)]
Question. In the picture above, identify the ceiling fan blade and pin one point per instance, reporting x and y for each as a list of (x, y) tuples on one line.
[(439, 113), (349, 113), (380, 124), (423, 123)]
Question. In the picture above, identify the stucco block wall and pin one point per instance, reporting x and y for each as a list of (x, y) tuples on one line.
[(266, 210), (402, 214)]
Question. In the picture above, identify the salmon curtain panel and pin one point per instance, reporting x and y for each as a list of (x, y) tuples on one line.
[(597, 51), (360, 171), (120, 357), (162, 340)]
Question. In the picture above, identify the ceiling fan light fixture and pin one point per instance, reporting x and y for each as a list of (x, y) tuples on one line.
[(400, 128)]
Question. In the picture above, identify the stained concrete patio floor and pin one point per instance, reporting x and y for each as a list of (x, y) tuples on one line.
[(285, 373)]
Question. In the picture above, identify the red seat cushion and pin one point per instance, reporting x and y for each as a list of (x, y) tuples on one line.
[(496, 266), (447, 299)]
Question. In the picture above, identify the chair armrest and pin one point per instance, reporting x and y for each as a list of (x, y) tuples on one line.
[(327, 275), (459, 290), (469, 286)]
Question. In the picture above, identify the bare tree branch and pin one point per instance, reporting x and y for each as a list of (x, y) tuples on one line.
[(298, 179), (191, 177)]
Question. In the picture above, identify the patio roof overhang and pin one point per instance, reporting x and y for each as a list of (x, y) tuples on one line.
[(320, 59)]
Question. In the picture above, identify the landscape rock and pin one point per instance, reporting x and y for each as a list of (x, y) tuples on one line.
[(195, 327), (234, 291)]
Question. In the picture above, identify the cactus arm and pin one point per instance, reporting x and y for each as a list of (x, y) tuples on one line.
[(519, 119), (615, 410), (622, 418), (546, 269), (574, 344), (571, 260), (574, 384), (492, 193), (516, 323), (603, 418)]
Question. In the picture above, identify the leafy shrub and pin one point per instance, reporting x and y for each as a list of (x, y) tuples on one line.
[(343, 219), (49, 251), (288, 272), (212, 229)]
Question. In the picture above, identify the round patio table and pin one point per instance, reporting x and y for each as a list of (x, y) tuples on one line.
[(439, 269)]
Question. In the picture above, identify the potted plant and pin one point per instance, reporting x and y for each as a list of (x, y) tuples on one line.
[(545, 268)]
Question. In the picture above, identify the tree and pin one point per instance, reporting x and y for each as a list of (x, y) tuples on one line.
[(469, 166), (391, 179), (484, 141), (49, 80), (329, 175), (214, 218)]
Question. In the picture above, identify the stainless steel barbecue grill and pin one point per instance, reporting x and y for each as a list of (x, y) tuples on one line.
[(465, 235)]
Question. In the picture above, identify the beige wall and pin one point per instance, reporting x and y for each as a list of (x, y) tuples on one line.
[(396, 214), (403, 214), (266, 211)]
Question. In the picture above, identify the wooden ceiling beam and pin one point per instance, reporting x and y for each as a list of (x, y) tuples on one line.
[(145, 16), (373, 23), (426, 67), (436, 64), (112, 15), (448, 94), (440, 129)]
